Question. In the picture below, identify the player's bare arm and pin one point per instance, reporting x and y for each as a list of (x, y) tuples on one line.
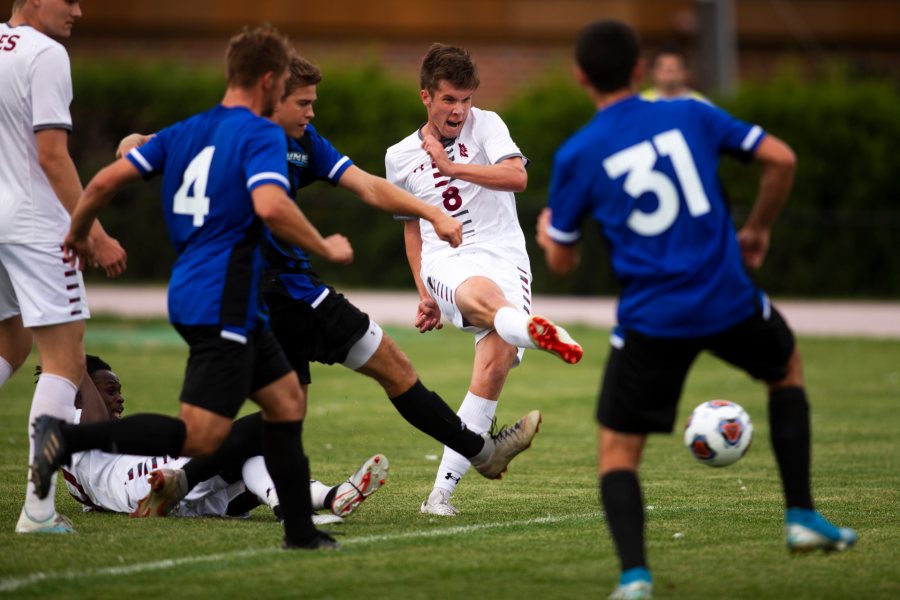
[(55, 161), (80, 242), (285, 220), (506, 176), (93, 409), (380, 193), (779, 165), (561, 259), (428, 313)]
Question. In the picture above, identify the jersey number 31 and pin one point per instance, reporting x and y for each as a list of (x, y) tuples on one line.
[(191, 198), (638, 162)]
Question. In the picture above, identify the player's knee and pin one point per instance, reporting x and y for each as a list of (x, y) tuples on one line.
[(793, 376), (202, 441)]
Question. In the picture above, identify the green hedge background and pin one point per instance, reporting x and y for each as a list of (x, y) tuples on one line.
[(838, 236)]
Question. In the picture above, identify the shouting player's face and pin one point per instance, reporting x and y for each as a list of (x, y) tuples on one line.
[(448, 107), (110, 390), (295, 111)]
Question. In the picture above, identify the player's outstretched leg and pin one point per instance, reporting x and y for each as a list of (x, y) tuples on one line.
[(554, 339), (634, 584), (367, 480), (502, 446), (167, 488), (806, 530)]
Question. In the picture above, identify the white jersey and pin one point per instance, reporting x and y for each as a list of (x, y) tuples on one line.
[(35, 93), (488, 216), (116, 482)]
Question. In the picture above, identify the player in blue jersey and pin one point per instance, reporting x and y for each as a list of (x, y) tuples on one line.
[(646, 173), (224, 183)]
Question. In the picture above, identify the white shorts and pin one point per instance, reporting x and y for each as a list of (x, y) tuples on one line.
[(36, 283), (443, 275)]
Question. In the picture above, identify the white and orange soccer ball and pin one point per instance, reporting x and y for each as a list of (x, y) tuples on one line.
[(718, 433)]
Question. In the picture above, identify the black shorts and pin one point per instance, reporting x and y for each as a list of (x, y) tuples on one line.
[(645, 375), (222, 373), (324, 334)]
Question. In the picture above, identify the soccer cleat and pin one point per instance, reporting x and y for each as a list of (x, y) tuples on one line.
[(367, 480), (806, 530), (49, 453), (321, 541), (505, 445), (55, 524), (554, 339), (438, 503), (167, 488), (634, 584), (326, 519)]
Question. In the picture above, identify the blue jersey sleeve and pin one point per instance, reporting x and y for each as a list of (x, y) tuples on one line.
[(569, 197), (263, 156), (734, 135), (150, 159), (327, 162)]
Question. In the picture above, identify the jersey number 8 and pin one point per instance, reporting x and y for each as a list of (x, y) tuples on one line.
[(638, 162)]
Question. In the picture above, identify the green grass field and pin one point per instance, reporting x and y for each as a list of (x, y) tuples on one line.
[(536, 534)]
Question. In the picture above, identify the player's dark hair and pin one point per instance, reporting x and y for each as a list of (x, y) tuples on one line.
[(607, 52), (450, 64), (93, 364), (301, 74), (255, 52)]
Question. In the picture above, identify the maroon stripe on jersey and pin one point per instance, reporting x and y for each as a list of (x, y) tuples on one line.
[(72, 286), (74, 300), (71, 273), (131, 474), (76, 312)]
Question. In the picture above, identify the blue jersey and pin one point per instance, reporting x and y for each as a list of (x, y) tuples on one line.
[(310, 158), (646, 172), (211, 163)]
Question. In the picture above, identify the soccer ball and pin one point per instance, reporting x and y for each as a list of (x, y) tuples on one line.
[(718, 433)]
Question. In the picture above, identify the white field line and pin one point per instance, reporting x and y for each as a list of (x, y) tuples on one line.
[(16, 583)]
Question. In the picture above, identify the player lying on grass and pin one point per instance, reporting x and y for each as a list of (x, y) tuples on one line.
[(314, 323), (228, 483)]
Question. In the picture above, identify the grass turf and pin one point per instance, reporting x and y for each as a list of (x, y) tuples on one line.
[(711, 533)]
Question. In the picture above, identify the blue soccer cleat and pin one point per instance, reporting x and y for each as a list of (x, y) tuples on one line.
[(806, 530), (634, 584)]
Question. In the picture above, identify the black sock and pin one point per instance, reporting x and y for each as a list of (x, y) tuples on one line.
[(620, 496), (329, 497), (789, 429), (283, 451), (242, 504), (244, 441), (146, 434), (428, 413)]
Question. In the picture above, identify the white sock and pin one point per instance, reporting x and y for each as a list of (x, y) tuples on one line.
[(256, 478), (6, 370), (512, 325), (54, 396), (317, 493), (477, 413)]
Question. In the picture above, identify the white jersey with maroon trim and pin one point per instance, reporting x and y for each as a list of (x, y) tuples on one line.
[(488, 216), (35, 93)]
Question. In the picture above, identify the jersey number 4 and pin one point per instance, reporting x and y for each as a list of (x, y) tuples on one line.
[(638, 162), (191, 198)]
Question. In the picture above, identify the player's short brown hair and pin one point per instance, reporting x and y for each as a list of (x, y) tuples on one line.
[(255, 52), (301, 74), (448, 63)]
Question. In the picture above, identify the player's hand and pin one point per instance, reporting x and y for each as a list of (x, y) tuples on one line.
[(108, 254), (428, 316), (438, 154), (338, 249), (754, 246), (448, 229), (78, 252), (132, 141), (543, 222)]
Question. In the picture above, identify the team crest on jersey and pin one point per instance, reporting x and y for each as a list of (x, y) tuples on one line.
[(419, 169), (301, 159)]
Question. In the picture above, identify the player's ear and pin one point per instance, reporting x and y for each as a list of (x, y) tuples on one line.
[(426, 97), (580, 76)]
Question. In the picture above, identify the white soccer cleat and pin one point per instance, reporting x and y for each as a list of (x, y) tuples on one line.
[(367, 480), (167, 488), (326, 519), (56, 523), (438, 503), (552, 338), (505, 445)]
